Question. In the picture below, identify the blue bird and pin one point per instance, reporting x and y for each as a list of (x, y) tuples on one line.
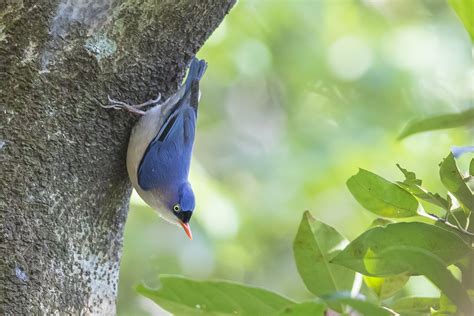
[(160, 148)]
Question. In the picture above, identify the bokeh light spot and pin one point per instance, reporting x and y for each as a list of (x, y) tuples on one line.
[(349, 58), (252, 57)]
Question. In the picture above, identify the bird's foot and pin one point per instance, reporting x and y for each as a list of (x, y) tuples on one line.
[(133, 108)]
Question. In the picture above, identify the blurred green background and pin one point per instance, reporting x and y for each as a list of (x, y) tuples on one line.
[(297, 96)]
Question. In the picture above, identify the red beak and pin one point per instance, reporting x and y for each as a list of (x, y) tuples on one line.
[(187, 230)]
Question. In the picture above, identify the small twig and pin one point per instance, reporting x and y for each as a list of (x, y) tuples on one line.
[(455, 219), (442, 220)]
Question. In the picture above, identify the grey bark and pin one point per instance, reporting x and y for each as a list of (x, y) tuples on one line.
[(64, 187)]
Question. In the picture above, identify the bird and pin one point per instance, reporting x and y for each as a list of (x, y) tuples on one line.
[(160, 149)]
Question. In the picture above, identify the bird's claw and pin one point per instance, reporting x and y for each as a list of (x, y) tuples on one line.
[(135, 108), (113, 102)]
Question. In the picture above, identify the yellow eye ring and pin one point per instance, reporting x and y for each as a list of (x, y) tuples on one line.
[(177, 208)]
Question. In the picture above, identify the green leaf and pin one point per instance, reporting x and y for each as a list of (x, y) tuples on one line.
[(381, 222), (435, 270), (306, 308), (380, 196), (454, 182), (386, 287), (410, 176), (425, 195), (181, 296), (362, 306), (438, 122), (314, 246), (464, 9), (462, 218), (413, 185), (446, 307), (366, 253), (471, 168), (415, 305), (413, 248)]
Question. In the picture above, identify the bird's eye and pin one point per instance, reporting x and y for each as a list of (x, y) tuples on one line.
[(177, 208)]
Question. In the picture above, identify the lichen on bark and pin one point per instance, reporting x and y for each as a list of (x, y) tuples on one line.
[(64, 186)]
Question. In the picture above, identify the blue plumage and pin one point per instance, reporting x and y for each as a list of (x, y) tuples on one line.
[(165, 164), (166, 161), (160, 148)]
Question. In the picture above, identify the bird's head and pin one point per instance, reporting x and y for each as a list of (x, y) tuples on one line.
[(182, 206)]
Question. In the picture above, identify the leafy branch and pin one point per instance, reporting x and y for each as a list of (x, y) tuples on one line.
[(387, 254)]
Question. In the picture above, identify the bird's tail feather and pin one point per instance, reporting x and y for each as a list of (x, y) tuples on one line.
[(196, 71)]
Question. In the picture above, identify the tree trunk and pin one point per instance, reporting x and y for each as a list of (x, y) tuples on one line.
[(65, 190)]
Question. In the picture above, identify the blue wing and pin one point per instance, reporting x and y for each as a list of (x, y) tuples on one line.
[(168, 157)]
